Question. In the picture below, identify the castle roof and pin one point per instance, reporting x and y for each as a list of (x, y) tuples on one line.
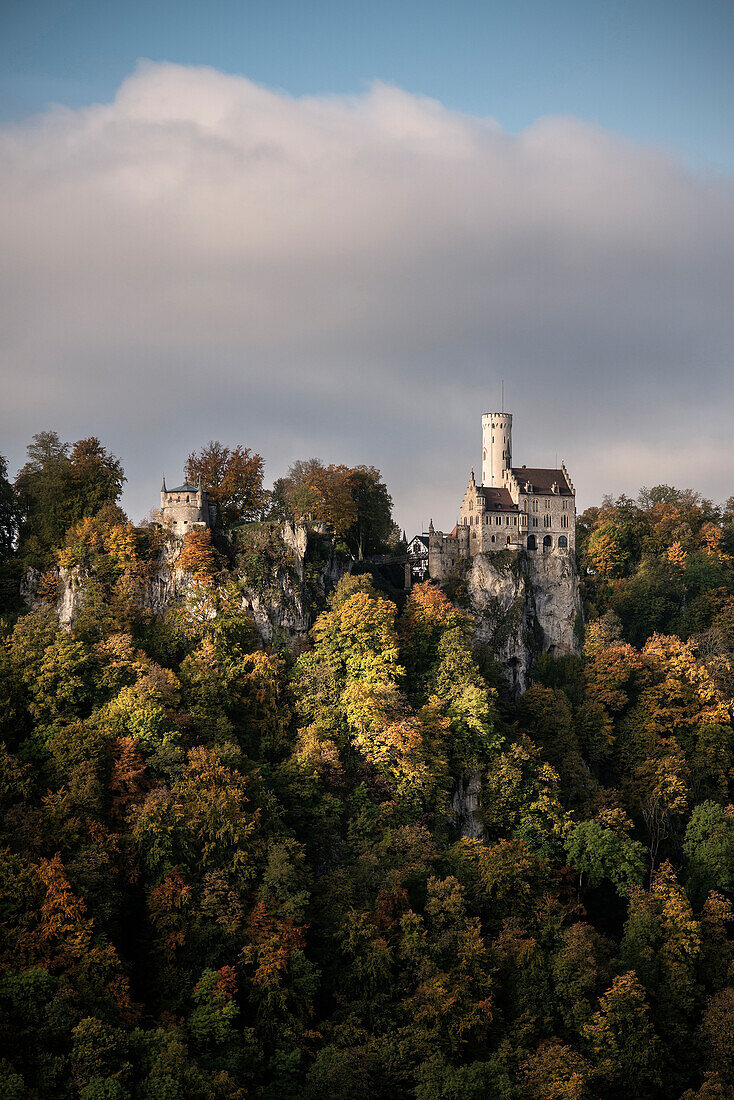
[(184, 489), (542, 481), (497, 498)]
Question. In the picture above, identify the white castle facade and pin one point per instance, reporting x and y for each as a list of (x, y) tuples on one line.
[(514, 508)]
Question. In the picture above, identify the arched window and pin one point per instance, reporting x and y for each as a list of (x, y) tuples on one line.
[(563, 543), (492, 538), (547, 519), (547, 544), (532, 545), (508, 540)]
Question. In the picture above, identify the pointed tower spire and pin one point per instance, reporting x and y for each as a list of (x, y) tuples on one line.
[(163, 486)]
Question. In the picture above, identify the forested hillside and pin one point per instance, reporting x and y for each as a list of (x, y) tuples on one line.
[(231, 872)]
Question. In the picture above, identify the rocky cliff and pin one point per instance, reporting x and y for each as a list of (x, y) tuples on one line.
[(524, 605), (283, 574)]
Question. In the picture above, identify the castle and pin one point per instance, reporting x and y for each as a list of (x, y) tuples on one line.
[(186, 507), (514, 507)]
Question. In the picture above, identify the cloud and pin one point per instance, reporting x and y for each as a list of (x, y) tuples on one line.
[(351, 277)]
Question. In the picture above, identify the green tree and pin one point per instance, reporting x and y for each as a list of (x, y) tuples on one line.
[(709, 850), (598, 852)]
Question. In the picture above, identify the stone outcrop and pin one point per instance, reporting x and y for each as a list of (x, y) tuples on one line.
[(283, 608), (465, 804), (524, 605)]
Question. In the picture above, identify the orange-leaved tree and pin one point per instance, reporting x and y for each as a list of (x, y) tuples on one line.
[(232, 478), (197, 554)]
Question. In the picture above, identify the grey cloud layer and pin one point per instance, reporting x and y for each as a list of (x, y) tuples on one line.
[(352, 277)]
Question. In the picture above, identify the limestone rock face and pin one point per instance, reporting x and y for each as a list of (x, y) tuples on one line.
[(524, 605), (283, 610), (465, 804), (70, 597), (286, 609)]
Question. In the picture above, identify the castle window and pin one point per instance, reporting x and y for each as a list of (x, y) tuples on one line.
[(547, 504), (498, 520), (535, 521), (535, 506), (547, 520), (532, 545), (508, 540), (514, 521), (547, 544), (563, 543), (492, 538)]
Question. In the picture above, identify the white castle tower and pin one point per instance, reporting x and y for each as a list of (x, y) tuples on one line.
[(496, 447)]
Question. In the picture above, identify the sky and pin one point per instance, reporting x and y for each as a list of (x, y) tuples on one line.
[(331, 230)]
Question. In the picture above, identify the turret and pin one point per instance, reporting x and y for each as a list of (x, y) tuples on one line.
[(163, 491), (496, 447)]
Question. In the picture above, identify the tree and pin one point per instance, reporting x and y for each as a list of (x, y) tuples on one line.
[(622, 1040), (197, 554), (60, 485), (353, 502), (605, 551), (600, 852), (662, 941), (8, 511), (96, 478), (373, 525), (232, 479), (555, 1071), (709, 850)]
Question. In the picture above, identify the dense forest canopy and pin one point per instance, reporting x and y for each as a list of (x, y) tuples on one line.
[(231, 871)]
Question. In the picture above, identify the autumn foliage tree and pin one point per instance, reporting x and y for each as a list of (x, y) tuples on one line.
[(232, 478), (353, 502)]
